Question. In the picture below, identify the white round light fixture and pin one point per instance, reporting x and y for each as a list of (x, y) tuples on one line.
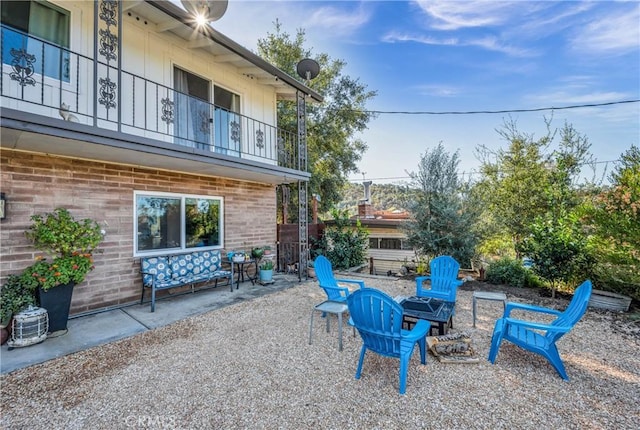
[(205, 11)]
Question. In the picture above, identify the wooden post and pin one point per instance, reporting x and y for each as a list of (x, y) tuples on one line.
[(314, 213)]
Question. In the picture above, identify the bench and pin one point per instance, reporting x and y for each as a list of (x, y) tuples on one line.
[(172, 271)]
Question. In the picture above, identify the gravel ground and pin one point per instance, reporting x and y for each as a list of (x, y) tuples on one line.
[(250, 365)]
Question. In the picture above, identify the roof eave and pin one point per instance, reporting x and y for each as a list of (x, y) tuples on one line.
[(181, 15)]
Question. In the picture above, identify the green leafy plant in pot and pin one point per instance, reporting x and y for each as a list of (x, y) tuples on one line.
[(266, 271), (70, 245)]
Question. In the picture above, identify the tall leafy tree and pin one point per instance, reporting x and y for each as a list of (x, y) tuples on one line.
[(532, 194), (615, 216), (511, 180), (442, 216), (333, 149), (527, 181)]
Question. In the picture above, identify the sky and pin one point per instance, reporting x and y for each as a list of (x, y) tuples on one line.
[(462, 56)]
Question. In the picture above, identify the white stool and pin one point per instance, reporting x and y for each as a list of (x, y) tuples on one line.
[(487, 295), (330, 307)]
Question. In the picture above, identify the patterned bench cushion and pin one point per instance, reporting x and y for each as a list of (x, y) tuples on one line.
[(183, 269), (155, 268)]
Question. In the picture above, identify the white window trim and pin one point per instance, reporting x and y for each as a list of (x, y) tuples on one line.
[(182, 249)]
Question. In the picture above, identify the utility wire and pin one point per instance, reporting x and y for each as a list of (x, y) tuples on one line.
[(473, 172), (475, 112)]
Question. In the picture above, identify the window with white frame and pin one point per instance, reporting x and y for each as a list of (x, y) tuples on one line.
[(39, 29), (166, 222)]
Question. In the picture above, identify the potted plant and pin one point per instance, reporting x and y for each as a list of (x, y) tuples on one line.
[(311, 269), (14, 297), (69, 244), (266, 271), (257, 253), (267, 249)]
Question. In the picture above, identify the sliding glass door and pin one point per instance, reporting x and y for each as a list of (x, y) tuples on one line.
[(228, 122), (193, 110)]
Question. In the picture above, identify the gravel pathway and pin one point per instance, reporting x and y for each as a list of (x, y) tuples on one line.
[(250, 366)]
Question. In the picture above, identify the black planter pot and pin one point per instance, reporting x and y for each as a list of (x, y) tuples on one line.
[(57, 302)]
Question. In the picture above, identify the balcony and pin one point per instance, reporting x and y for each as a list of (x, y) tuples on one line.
[(44, 79)]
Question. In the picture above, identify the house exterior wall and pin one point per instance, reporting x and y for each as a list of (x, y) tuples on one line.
[(37, 183), (385, 260), (153, 55), (150, 54)]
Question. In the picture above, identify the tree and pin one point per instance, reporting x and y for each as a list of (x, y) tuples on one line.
[(442, 215), (615, 216), (559, 250), (557, 241), (333, 150), (620, 207), (527, 182)]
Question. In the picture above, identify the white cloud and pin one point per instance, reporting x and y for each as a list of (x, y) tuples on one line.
[(438, 90), (453, 15), (562, 97), (338, 20), (614, 33), (393, 37), (490, 43), (552, 18)]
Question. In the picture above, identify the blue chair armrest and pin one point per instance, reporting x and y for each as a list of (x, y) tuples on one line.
[(352, 281), (535, 325), (341, 290), (420, 330), (532, 308), (421, 279)]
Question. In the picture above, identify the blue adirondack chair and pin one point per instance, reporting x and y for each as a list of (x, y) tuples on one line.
[(378, 319), (444, 279), (541, 337), (324, 273)]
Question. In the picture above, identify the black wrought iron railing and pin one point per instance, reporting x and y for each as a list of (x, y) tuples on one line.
[(47, 79)]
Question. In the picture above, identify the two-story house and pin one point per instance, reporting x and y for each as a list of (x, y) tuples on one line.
[(163, 130)]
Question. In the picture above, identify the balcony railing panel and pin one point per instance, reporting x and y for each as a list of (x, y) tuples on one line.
[(46, 79)]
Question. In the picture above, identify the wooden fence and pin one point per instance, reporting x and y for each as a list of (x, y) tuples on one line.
[(288, 252)]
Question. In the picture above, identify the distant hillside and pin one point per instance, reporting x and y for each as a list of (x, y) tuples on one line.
[(383, 197)]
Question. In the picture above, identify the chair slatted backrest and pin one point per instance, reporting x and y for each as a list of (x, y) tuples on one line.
[(576, 309), (324, 273), (378, 319), (443, 269)]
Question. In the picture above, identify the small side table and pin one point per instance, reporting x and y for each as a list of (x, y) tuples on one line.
[(330, 307), (487, 295), (243, 269)]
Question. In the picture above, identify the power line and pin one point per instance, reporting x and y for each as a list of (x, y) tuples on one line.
[(475, 112)]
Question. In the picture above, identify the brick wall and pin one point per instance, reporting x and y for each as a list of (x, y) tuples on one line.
[(35, 184)]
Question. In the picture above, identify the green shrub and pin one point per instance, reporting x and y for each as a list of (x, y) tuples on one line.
[(15, 296), (509, 271), (344, 244)]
